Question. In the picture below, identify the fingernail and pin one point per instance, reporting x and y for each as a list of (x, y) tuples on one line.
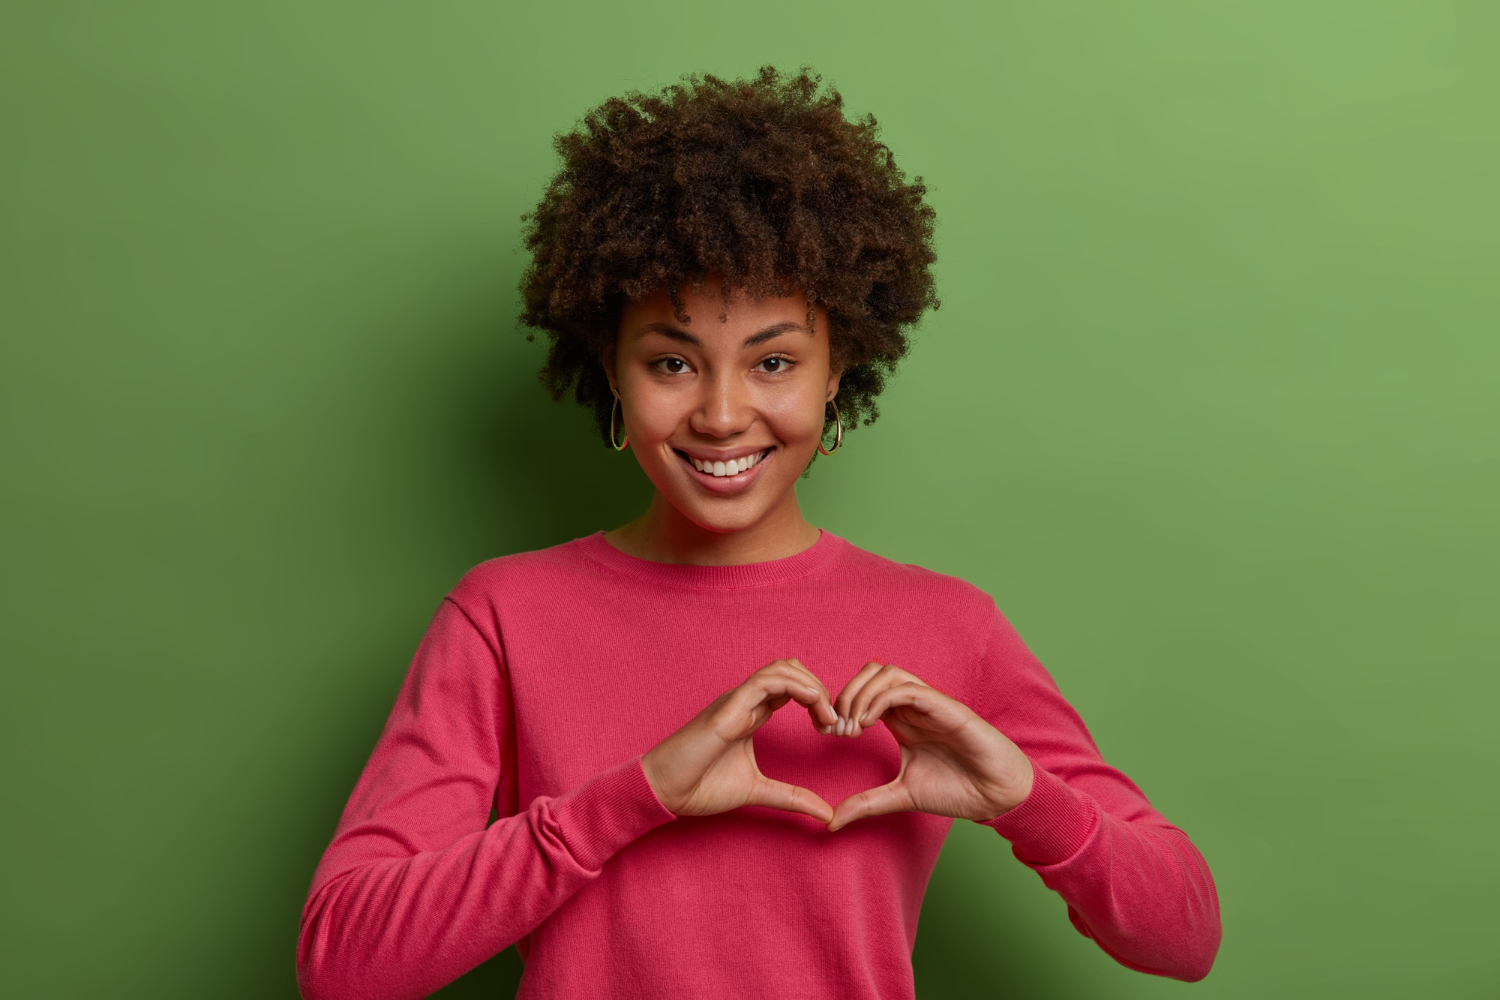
[(839, 728)]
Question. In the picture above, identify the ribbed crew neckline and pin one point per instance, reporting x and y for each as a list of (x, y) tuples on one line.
[(743, 576)]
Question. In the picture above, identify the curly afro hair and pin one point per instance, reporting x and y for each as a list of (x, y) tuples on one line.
[(763, 183)]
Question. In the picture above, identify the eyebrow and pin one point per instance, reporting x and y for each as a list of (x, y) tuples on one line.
[(683, 336)]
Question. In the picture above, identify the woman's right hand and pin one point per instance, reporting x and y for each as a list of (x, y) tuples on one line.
[(708, 766)]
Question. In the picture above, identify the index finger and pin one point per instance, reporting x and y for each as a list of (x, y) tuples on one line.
[(825, 715), (859, 680), (790, 679)]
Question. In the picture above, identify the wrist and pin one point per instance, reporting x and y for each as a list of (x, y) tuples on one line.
[(1011, 793), (663, 770), (1052, 824), (650, 767)]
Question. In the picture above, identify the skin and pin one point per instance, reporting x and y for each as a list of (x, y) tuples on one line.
[(747, 378), (754, 384)]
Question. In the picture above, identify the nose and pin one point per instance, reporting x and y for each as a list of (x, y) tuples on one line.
[(724, 409)]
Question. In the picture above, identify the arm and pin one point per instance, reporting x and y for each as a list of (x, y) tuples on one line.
[(414, 890), (1133, 882), (1023, 763)]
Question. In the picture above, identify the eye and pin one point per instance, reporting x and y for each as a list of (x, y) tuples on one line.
[(774, 365), (672, 366)]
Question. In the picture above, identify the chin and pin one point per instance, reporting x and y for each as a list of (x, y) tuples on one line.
[(722, 518)]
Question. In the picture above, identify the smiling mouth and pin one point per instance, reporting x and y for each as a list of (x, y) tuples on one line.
[(725, 470)]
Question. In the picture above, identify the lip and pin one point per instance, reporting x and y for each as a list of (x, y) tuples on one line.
[(725, 485)]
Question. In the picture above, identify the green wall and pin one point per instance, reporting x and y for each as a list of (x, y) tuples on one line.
[(1210, 408)]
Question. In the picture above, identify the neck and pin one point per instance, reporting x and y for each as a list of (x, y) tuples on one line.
[(663, 534)]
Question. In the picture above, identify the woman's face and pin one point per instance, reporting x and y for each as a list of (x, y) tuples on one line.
[(742, 386)]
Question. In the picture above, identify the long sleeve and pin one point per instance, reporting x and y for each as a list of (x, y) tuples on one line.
[(414, 890), (1133, 882)]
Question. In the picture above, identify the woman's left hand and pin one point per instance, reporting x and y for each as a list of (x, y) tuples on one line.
[(953, 763)]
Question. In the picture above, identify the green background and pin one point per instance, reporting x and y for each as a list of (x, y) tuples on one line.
[(1209, 407)]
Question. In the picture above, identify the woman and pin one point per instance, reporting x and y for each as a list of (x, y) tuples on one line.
[(725, 272)]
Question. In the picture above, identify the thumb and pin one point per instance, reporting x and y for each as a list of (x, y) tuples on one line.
[(877, 801), (791, 798)]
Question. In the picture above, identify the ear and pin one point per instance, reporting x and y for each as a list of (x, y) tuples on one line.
[(607, 361), (833, 384)]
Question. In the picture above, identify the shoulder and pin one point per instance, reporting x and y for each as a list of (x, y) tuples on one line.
[(914, 586), (503, 579)]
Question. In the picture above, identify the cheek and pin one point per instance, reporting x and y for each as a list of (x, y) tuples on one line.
[(797, 418), (655, 414)]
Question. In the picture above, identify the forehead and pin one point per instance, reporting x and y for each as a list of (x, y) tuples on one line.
[(711, 311)]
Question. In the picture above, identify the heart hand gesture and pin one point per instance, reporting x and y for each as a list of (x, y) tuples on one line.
[(708, 766), (953, 763)]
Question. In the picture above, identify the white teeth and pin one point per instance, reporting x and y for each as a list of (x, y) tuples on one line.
[(733, 467)]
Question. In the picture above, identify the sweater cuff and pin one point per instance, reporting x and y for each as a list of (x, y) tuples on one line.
[(608, 811), (1051, 825)]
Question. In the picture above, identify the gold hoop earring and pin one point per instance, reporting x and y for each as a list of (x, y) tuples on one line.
[(838, 432), (612, 407)]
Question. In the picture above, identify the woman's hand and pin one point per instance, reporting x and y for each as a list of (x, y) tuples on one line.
[(708, 766), (953, 763)]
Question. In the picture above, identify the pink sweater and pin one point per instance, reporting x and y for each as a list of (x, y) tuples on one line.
[(543, 679)]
